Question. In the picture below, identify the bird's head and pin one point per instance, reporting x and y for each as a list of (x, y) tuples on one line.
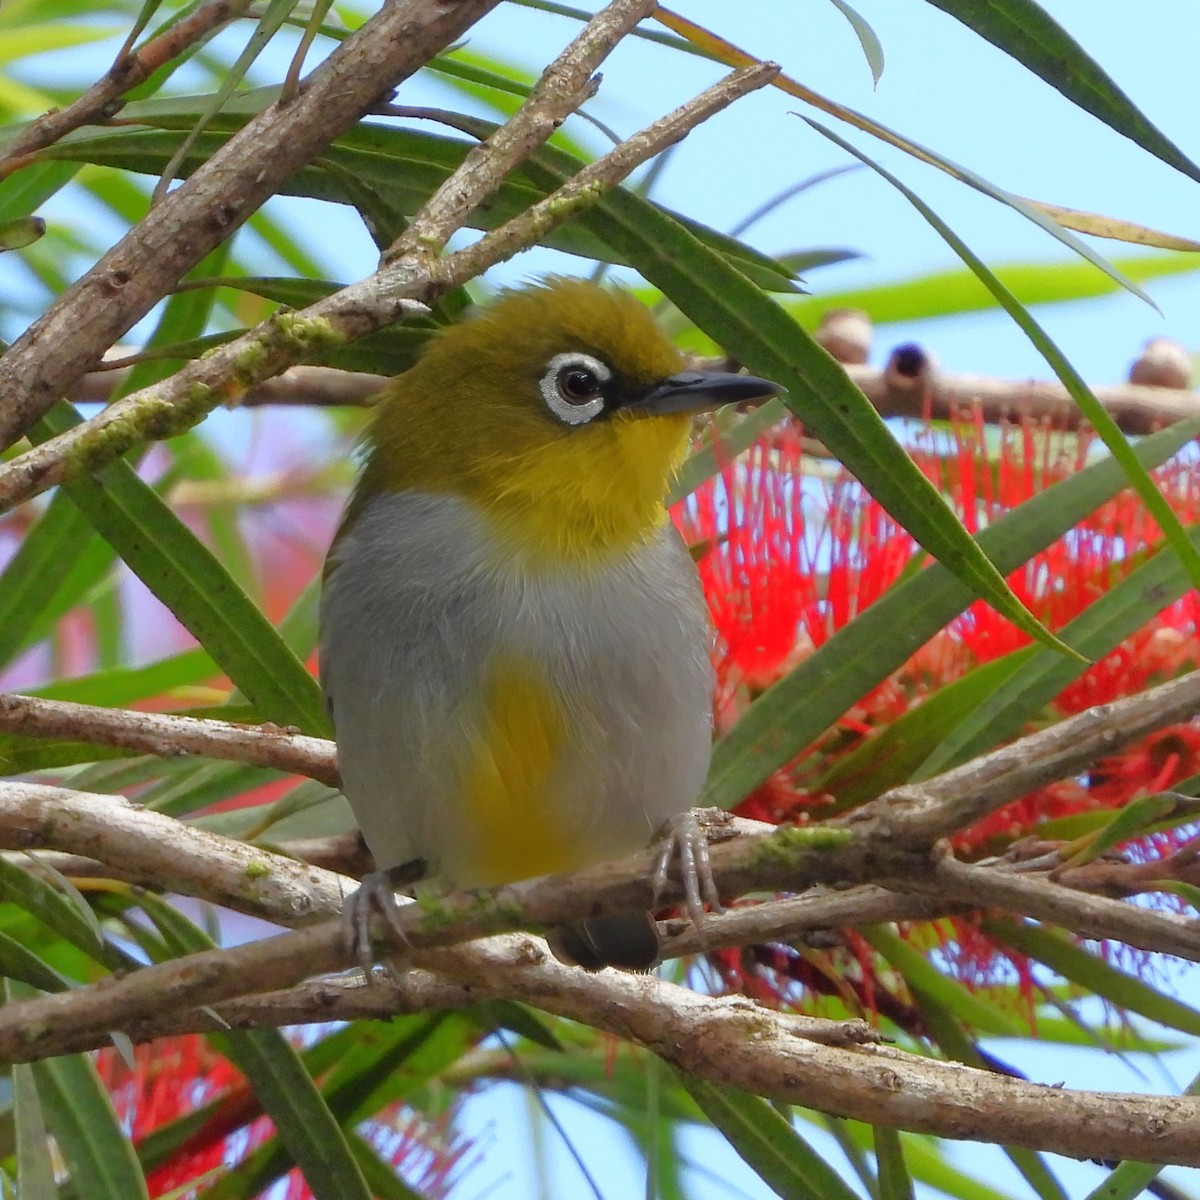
[(560, 412)]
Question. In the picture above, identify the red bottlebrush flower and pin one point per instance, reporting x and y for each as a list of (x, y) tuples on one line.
[(176, 1076), (786, 560), (170, 1079)]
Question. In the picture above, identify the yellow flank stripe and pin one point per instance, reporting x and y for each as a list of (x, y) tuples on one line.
[(514, 826)]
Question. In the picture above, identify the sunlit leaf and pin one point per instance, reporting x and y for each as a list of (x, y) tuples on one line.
[(1097, 415), (1035, 39)]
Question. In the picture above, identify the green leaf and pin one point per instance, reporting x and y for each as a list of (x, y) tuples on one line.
[(889, 757), (802, 705), (768, 1143), (35, 1170), (1185, 891), (1026, 31), (380, 1176), (1133, 1179), (1093, 974), (20, 231), (18, 961), (66, 915), (265, 28), (1097, 415), (1039, 676), (17, 44), (953, 292), (80, 1115), (32, 186), (185, 575), (1132, 820), (730, 440), (1039, 214), (871, 47), (54, 565), (920, 974), (406, 165), (303, 1121), (929, 1166), (123, 685), (895, 1183), (947, 1032)]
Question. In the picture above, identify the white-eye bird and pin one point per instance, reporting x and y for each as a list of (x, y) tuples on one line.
[(514, 643)]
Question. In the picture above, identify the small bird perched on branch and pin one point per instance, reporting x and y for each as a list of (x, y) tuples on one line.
[(514, 643)]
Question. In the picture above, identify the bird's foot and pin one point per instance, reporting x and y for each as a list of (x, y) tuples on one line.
[(377, 894), (685, 839)]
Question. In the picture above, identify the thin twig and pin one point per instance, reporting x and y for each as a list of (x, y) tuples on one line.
[(1136, 409), (1042, 899), (564, 85), (597, 177), (178, 403), (171, 736), (70, 337), (920, 814), (105, 97)]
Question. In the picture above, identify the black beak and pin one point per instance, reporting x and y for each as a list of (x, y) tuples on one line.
[(699, 391)]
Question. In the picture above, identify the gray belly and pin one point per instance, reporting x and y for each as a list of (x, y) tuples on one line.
[(416, 604)]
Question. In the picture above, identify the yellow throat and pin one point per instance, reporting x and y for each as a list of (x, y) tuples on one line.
[(470, 419)]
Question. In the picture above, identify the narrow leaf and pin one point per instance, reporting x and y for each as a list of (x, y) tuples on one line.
[(1099, 225), (1038, 676), (80, 1115), (1131, 821), (895, 1183), (1093, 974), (1098, 416), (183, 573), (303, 1120), (1035, 39), (20, 231), (870, 44), (732, 55), (920, 974), (768, 1143)]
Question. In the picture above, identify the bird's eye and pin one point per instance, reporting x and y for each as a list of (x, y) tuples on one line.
[(577, 385), (572, 385)]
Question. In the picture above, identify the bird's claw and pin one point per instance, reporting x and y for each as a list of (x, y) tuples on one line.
[(685, 838), (376, 894)]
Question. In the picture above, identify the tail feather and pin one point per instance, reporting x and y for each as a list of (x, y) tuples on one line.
[(629, 941)]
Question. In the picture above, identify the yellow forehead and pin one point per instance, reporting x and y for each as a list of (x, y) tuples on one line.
[(522, 330)]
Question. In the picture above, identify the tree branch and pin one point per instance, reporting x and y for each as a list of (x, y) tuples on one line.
[(831, 1066), (69, 338), (105, 97), (1137, 409), (920, 814), (880, 843), (171, 736), (564, 85), (178, 403)]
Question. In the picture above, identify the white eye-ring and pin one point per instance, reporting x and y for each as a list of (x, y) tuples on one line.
[(573, 387)]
